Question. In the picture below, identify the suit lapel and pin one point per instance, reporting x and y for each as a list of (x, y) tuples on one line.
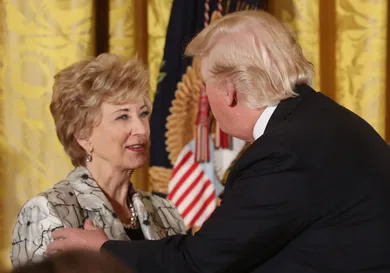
[(151, 223), (93, 201), (97, 208)]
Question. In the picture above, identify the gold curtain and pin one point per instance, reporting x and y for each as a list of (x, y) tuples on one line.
[(37, 39), (347, 41)]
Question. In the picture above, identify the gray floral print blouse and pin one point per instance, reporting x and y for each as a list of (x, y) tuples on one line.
[(71, 201)]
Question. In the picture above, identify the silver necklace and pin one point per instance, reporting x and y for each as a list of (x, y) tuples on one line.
[(133, 218)]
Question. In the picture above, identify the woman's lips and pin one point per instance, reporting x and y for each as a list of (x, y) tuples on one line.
[(136, 148)]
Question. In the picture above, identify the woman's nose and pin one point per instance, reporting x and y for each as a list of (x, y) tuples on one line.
[(138, 127)]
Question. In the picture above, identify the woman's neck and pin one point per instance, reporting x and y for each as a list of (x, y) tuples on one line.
[(114, 183)]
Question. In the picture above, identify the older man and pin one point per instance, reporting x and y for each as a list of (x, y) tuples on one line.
[(311, 193)]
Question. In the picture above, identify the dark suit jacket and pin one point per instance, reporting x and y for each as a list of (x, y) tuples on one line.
[(310, 195)]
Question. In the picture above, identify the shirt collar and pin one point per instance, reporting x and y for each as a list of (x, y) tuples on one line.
[(262, 122)]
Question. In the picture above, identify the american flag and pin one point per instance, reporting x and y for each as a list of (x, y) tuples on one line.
[(191, 190)]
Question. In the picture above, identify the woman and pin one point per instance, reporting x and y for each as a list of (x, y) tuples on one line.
[(100, 109)]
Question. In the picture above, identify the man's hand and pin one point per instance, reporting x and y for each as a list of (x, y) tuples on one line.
[(91, 238)]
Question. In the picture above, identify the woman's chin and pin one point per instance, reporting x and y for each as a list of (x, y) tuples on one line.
[(136, 163)]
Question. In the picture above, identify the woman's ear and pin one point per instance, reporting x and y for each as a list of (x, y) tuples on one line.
[(84, 142)]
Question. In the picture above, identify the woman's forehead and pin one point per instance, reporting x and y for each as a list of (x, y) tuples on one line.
[(129, 104)]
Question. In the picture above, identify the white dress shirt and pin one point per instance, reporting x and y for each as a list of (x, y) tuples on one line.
[(262, 122)]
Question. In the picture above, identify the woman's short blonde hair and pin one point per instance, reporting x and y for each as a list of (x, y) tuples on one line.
[(259, 54), (80, 89)]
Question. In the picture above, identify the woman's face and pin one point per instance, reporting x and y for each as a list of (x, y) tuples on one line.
[(120, 139)]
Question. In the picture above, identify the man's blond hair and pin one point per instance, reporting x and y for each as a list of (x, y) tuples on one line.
[(259, 54)]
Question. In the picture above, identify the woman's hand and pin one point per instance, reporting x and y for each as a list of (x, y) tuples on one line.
[(91, 238)]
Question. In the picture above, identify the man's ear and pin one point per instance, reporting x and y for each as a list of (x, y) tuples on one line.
[(230, 93)]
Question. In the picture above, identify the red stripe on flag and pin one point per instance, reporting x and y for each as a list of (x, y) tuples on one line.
[(183, 179), (211, 198), (196, 199), (189, 189), (181, 163), (194, 192)]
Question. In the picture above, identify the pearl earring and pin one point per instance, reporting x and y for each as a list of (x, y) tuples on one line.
[(89, 157)]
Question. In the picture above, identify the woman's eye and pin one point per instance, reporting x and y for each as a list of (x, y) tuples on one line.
[(124, 117), (145, 114)]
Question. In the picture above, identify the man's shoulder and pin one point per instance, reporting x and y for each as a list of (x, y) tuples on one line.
[(264, 156), (264, 147)]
